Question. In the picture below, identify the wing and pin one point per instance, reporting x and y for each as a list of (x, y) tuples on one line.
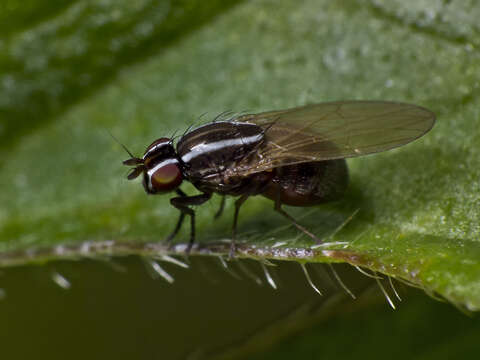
[(335, 130)]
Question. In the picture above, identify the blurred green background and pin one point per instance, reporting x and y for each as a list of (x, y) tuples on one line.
[(72, 71)]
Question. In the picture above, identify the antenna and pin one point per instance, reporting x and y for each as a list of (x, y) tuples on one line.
[(123, 146)]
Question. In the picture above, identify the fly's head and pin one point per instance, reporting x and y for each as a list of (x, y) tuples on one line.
[(160, 167)]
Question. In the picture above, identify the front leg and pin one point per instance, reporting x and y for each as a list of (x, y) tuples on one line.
[(179, 221), (182, 203)]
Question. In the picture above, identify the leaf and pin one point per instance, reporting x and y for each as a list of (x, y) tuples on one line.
[(375, 331), (144, 70)]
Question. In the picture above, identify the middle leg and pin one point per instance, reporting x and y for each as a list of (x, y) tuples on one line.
[(220, 209), (238, 203)]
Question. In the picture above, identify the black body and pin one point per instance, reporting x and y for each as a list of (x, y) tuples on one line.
[(211, 154), (295, 157)]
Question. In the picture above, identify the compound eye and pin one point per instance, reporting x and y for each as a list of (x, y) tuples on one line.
[(164, 177)]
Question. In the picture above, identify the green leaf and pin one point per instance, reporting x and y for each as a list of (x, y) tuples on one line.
[(147, 69), (419, 329)]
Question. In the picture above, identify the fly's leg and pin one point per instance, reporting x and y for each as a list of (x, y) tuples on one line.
[(182, 203), (278, 208), (177, 228), (179, 222), (238, 203), (220, 209)]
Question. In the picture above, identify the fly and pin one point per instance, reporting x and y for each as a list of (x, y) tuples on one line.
[(294, 157)]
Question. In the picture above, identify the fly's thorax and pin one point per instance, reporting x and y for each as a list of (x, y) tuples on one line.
[(217, 148), (215, 154)]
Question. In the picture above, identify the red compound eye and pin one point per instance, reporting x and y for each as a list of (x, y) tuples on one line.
[(164, 177)]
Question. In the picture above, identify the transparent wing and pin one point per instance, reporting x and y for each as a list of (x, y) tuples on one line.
[(335, 130)]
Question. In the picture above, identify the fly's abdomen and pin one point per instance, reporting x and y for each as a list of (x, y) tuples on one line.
[(308, 184)]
